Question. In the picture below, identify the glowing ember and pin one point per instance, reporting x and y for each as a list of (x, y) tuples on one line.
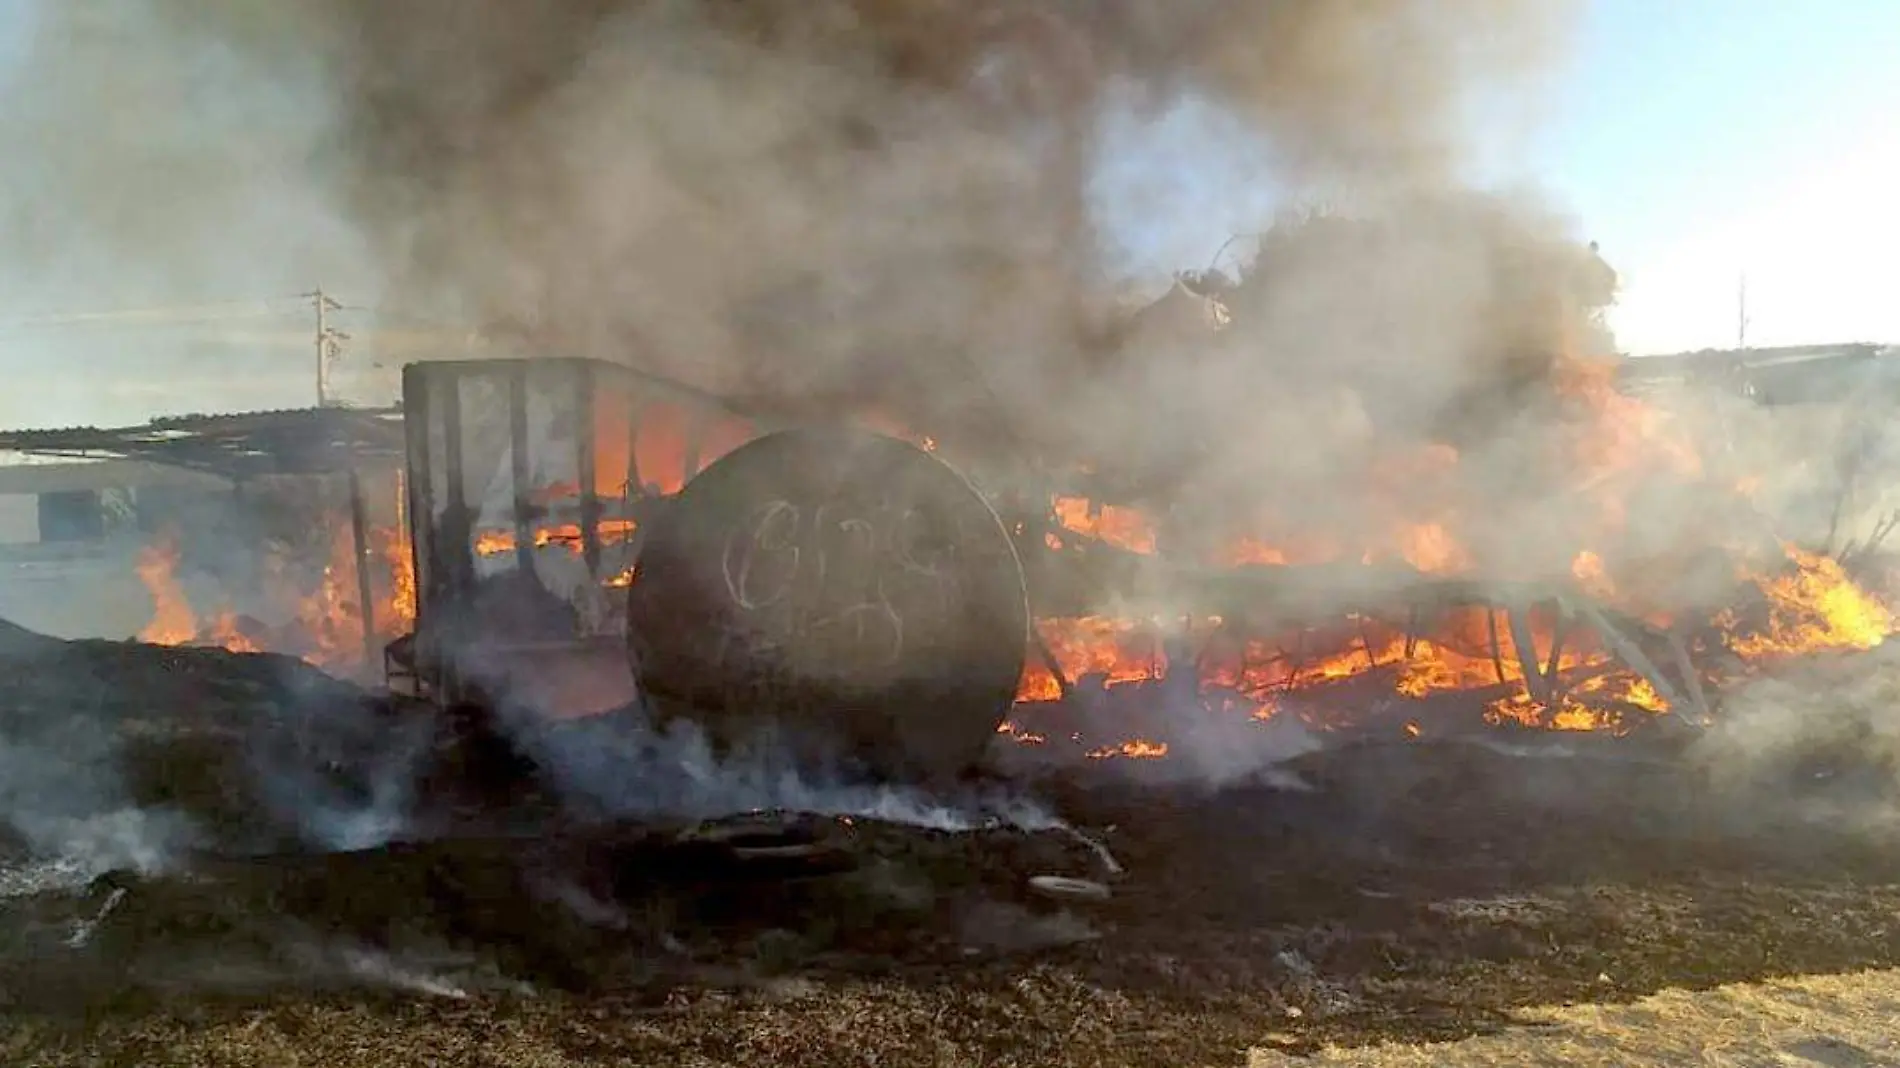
[(565, 535), (1019, 735), (1134, 749)]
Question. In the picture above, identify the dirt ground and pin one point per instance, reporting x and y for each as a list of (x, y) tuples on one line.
[(1263, 920), (1372, 898), (1834, 1021)]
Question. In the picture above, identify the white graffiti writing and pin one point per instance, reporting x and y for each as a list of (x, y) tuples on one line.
[(832, 587)]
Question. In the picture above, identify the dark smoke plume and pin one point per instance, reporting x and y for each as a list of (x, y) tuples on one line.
[(816, 202), (821, 205)]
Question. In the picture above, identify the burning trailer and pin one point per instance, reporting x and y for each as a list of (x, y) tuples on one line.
[(590, 538), (277, 530), (571, 538), (1292, 523)]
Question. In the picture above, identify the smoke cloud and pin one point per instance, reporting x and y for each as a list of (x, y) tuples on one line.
[(621, 766), (1822, 741), (808, 203), (847, 205)]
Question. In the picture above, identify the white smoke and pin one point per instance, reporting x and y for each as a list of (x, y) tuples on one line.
[(64, 798), (620, 766)]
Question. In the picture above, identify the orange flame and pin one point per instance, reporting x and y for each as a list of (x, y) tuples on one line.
[(1124, 528), (1133, 749), (1432, 549), (1815, 607), (172, 620), (566, 535), (325, 627)]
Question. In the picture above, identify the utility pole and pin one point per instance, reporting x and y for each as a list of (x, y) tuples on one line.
[(329, 341), (1741, 313)]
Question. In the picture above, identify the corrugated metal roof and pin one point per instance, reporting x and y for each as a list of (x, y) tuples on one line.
[(237, 445), (199, 420), (78, 475)]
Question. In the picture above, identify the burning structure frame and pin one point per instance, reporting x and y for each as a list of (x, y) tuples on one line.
[(583, 473), (243, 447), (511, 464)]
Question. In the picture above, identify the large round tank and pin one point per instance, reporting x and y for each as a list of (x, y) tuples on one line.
[(848, 589)]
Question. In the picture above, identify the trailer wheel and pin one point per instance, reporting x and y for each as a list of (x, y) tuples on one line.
[(845, 589)]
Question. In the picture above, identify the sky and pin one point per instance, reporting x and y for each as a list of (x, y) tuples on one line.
[(1699, 142)]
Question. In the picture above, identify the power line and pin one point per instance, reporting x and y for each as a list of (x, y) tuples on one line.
[(206, 311), (329, 340)]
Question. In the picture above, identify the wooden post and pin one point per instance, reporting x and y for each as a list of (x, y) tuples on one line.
[(359, 531), (1518, 613)]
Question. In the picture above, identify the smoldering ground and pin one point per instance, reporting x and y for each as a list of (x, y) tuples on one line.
[(1825, 735), (152, 792)]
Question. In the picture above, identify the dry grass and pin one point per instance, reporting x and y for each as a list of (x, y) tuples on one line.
[(1836, 1021)]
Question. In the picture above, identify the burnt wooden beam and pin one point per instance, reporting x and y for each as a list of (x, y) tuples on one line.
[(1633, 656), (1526, 643), (585, 461), (359, 541), (518, 457)]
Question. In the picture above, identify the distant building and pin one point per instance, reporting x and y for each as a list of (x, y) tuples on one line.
[(1793, 374), (70, 533), (77, 505)]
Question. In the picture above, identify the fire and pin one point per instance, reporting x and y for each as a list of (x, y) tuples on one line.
[(324, 624), (653, 447), (1124, 528), (1565, 676), (567, 535), (1120, 649), (1569, 676), (327, 625), (1587, 569), (172, 620), (227, 632), (1621, 433), (392, 544), (1134, 749), (1019, 735), (1432, 549), (1814, 607), (1246, 551)]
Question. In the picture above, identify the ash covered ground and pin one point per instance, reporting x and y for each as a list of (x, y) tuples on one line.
[(229, 858)]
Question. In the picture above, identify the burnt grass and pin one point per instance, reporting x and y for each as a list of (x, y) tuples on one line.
[(1411, 891)]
